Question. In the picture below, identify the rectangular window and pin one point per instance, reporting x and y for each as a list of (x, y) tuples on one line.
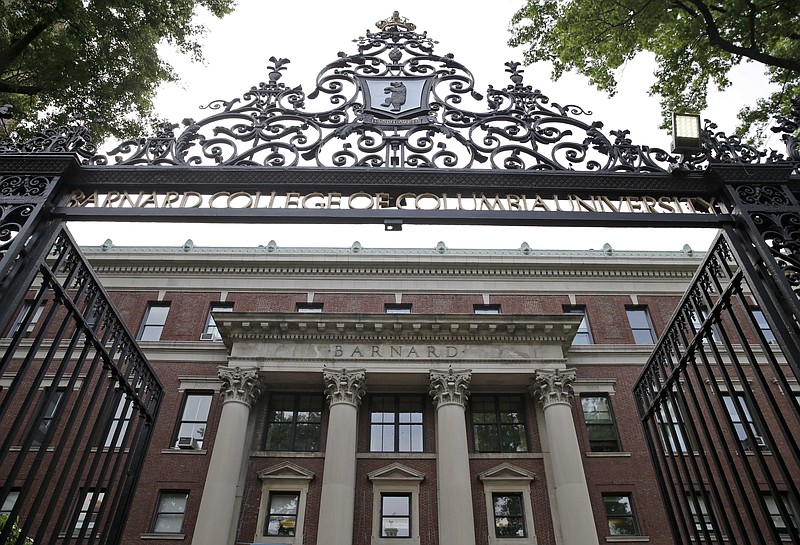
[(641, 326), (498, 424), (486, 309), (283, 509), (742, 419), (153, 323), (620, 516), (584, 335), (600, 423), (9, 502), (308, 307), (91, 502), (40, 434), (170, 511), (210, 331), (761, 320), (294, 422), (23, 314), (778, 520), (192, 426), (509, 520), (698, 508), (396, 424), (397, 308), (395, 515), (118, 427), (671, 427)]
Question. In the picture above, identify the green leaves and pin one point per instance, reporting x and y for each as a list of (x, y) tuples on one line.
[(92, 58), (695, 43)]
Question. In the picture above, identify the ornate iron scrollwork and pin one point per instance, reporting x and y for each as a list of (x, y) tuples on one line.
[(396, 103)]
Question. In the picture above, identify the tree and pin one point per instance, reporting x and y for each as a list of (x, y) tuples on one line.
[(92, 58), (695, 42)]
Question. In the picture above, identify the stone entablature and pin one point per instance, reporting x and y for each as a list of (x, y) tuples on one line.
[(416, 341)]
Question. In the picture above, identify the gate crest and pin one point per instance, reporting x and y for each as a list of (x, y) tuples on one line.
[(396, 103)]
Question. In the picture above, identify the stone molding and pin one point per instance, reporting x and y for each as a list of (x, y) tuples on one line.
[(239, 384), (345, 327), (450, 386), (555, 386), (343, 386)]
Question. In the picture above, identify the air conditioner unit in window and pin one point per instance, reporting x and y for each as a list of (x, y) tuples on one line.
[(760, 441), (188, 443)]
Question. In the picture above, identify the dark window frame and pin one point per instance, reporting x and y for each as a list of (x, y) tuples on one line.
[(631, 515), (738, 424), (634, 329), (310, 308), (270, 514), (397, 425), (146, 326), (778, 522), (498, 421), (521, 517), (762, 324), (157, 511), (47, 415), (487, 309), (183, 420), (297, 397), (595, 446), (397, 308), (382, 529), (7, 506), (22, 315), (584, 330), (210, 329)]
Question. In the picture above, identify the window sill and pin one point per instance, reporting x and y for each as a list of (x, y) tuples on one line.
[(608, 454), (182, 451), (285, 454), (627, 539), (396, 455), (162, 536), (505, 455)]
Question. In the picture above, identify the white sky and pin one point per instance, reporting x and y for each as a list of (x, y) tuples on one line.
[(310, 33)]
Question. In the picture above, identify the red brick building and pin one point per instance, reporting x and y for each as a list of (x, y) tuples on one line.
[(395, 338)]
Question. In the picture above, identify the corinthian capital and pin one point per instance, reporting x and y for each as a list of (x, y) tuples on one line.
[(240, 384), (344, 386), (554, 386), (450, 386)]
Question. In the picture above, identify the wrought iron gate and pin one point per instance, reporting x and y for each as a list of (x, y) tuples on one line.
[(78, 398), (720, 404)]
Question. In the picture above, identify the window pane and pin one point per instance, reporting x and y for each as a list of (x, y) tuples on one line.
[(396, 515), (396, 423), (395, 505), (487, 438), (619, 514), (509, 521), (9, 502), (283, 509), (168, 523)]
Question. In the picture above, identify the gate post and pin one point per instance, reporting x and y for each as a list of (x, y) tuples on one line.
[(28, 188)]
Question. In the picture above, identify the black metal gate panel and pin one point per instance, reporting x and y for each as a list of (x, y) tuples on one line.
[(720, 405), (77, 403)]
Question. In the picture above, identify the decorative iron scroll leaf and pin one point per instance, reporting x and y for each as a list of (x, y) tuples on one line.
[(395, 103), (781, 232), (12, 219)]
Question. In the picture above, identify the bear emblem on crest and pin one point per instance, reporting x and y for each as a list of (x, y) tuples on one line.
[(397, 95)]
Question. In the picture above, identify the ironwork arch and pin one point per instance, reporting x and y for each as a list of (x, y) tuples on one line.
[(395, 120)]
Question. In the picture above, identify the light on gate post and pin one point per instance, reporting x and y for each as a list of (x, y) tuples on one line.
[(686, 133)]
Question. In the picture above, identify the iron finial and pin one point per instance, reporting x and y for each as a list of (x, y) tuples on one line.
[(395, 22)]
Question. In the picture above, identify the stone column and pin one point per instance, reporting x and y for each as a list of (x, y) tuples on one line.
[(449, 390), (240, 390), (337, 504), (553, 390)]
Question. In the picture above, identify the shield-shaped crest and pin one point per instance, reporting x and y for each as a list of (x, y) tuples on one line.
[(396, 98)]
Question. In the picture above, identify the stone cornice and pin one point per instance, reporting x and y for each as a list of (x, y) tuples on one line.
[(334, 327)]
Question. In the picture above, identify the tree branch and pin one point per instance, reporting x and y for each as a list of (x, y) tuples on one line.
[(17, 46), (751, 53), (6, 87)]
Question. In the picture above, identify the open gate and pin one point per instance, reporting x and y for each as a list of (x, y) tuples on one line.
[(78, 398)]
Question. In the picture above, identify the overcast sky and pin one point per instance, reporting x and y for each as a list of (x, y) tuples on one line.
[(310, 34)]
